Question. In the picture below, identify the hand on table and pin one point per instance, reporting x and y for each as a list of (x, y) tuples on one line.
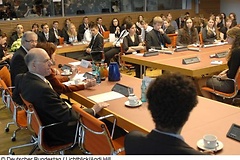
[(90, 83), (99, 106)]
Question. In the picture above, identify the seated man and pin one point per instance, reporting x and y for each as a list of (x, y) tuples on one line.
[(156, 38), (47, 35), (171, 98), (95, 48), (17, 64), (34, 88)]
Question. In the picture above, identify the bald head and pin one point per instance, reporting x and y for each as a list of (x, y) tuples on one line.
[(38, 61)]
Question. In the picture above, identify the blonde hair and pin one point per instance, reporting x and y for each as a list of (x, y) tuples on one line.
[(69, 32), (157, 19)]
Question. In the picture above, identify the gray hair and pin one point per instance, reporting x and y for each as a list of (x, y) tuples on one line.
[(26, 34)]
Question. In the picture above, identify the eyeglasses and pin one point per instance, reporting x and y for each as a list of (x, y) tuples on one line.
[(31, 41)]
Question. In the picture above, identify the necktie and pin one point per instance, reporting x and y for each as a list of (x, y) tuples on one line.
[(47, 36), (48, 83), (101, 29), (56, 33)]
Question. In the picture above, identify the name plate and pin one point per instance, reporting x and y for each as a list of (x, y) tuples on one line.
[(85, 63), (234, 132), (166, 51), (221, 54), (124, 90), (152, 53), (180, 49), (190, 60)]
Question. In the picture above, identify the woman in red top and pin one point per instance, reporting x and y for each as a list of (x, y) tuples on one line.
[(56, 81)]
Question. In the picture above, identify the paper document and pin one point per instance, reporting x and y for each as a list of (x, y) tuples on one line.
[(106, 96), (75, 63)]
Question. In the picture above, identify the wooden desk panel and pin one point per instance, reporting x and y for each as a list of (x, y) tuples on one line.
[(77, 48)]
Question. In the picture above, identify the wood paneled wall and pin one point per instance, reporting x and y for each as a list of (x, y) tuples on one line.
[(206, 7), (9, 26)]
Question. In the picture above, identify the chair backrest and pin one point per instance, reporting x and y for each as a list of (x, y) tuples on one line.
[(173, 38), (95, 135), (106, 34), (6, 76), (19, 113), (237, 79), (35, 125)]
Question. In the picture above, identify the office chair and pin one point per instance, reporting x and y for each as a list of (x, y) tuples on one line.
[(123, 64), (232, 96), (35, 125), (18, 112), (95, 138), (173, 38)]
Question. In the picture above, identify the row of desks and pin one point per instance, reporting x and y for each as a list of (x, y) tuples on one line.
[(67, 48), (207, 117)]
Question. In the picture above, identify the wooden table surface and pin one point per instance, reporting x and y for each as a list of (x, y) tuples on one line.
[(174, 62), (207, 117)]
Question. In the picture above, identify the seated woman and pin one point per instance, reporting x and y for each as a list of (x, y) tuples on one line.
[(4, 58), (132, 43), (188, 34), (72, 35), (56, 81), (221, 83), (209, 33), (168, 28), (115, 27), (224, 29)]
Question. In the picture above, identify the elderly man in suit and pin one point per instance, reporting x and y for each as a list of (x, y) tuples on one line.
[(34, 88), (17, 64), (156, 37), (171, 98), (94, 50)]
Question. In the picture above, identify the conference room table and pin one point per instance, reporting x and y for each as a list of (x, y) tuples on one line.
[(208, 117), (173, 62)]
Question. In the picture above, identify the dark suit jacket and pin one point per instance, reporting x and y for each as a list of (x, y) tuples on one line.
[(49, 106), (81, 30), (156, 144), (208, 39), (153, 40), (52, 38), (17, 64), (96, 45), (59, 32)]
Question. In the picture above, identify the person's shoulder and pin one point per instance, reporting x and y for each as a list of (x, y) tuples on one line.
[(135, 134), (236, 52)]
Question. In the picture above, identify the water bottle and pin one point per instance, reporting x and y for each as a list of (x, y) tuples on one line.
[(93, 68), (98, 76), (143, 91)]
